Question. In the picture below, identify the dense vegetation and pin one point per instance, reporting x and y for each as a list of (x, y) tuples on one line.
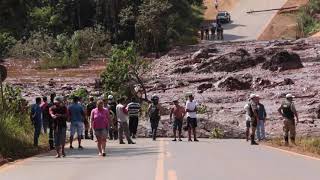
[(55, 30), (309, 18), (16, 131)]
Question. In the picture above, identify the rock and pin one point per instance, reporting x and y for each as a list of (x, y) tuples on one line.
[(283, 61), (231, 62), (66, 87), (288, 81), (236, 83), (182, 70), (260, 82), (202, 53), (204, 87)]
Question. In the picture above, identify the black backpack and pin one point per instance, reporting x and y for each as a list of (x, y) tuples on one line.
[(154, 112)]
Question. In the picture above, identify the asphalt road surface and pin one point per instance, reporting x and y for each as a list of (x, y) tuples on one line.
[(249, 26), (167, 160)]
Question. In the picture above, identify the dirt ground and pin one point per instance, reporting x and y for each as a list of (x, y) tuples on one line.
[(316, 35), (224, 5), (284, 24)]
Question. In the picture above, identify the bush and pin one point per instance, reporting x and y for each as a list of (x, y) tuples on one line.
[(16, 130), (6, 42), (308, 23), (63, 51)]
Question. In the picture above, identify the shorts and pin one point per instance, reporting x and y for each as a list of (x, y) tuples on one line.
[(192, 122), (177, 124), (76, 127), (101, 133), (60, 136)]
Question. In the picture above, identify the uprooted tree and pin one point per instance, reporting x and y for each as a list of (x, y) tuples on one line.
[(124, 71)]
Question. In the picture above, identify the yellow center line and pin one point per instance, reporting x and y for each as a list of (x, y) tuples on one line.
[(172, 175), (292, 153), (160, 162)]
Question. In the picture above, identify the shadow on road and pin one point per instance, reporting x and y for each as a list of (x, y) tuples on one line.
[(232, 26), (232, 37)]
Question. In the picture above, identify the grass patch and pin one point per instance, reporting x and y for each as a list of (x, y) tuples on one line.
[(307, 18), (305, 145)]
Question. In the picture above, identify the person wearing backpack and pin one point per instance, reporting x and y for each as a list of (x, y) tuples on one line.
[(288, 111), (251, 118), (154, 115)]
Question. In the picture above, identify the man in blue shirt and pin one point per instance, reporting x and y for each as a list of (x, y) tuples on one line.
[(76, 115), (36, 119), (261, 134)]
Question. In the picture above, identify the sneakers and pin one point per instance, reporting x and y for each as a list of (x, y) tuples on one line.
[(71, 147), (180, 139), (122, 142), (131, 142), (174, 140), (196, 140), (254, 143), (104, 154), (80, 147)]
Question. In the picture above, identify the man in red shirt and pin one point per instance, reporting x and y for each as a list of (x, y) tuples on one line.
[(178, 113)]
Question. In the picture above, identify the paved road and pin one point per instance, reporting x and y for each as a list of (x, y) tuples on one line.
[(249, 26), (167, 160)]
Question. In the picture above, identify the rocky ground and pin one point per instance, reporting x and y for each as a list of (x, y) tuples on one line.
[(221, 75)]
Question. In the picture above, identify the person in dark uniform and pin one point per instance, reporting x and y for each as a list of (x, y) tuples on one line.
[(289, 113), (92, 105), (252, 117), (213, 30), (202, 32), (207, 32), (50, 120), (154, 115)]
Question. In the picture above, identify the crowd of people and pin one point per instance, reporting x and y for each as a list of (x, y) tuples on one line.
[(104, 119), (213, 31), (108, 119)]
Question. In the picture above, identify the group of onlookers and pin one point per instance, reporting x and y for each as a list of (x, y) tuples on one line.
[(256, 117), (213, 31)]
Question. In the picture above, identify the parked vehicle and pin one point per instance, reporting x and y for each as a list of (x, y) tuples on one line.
[(223, 17)]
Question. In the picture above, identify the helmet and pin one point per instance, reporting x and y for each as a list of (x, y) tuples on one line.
[(154, 98), (289, 96), (110, 97)]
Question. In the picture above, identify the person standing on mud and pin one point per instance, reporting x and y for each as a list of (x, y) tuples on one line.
[(59, 114), (213, 30), (202, 32), (261, 133), (154, 115), (220, 31), (252, 118), (289, 113), (36, 119), (45, 114), (77, 116), (91, 106), (191, 109), (113, 129), (51, 129), (122, 115), (178, 113), (207, 32), (134, 112)]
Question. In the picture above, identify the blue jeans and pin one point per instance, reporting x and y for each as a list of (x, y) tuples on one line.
[(37, 131), (261, 133)]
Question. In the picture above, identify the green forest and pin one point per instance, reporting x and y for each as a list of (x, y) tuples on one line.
[(69, 31)]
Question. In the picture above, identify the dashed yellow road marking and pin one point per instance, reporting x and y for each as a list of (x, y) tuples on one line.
[(172, 175), (160, 162), (292, 153)]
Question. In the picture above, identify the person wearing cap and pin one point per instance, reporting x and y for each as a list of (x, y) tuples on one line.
[(191, 109), (252, 118), (288, 111), (59, 114), (154, 112), (178, 113), (262, 114), (36, 119), (113, 129)]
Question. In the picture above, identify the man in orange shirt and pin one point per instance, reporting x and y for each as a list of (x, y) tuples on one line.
[(178, 113)]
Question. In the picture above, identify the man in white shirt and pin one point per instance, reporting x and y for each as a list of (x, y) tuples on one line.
[(122, 116), (191, 109)]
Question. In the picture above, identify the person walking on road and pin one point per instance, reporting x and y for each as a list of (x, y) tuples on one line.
[(77, 116), (134, 112), (154, 115), (216, 4), (45, 114), (289, 113), (122, 115), (261, 133), (36, 119), (113, 129), (178, 113), (219, 31), (100, 120), (252, 118), (59, 114), (51, 129), (191, 109), (91, 106), (213, 30)]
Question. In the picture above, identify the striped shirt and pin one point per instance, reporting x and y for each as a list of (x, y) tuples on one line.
[(134, 109)]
